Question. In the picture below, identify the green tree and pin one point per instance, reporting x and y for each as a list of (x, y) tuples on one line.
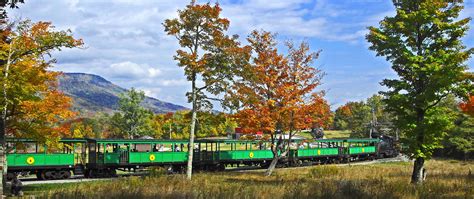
[(133, 120), (359, 121), (364, 116), (460, 139), (206, 53), (341, 117), (353, 116), (423, 43)]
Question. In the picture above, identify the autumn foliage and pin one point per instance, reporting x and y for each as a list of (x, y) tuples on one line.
[(277, 92), (468, 105), (34, 107)]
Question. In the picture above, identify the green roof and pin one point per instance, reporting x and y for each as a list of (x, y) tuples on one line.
[(330, 140), (229, 141), (32, 140), (363, 140), (136, 141)]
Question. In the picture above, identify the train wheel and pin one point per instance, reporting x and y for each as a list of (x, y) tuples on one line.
[(91, 173), (47, 175), (86, 173), (221, 167), (112, 173), (65, 174)]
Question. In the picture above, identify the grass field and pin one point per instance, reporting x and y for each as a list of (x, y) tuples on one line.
[(446, 179)]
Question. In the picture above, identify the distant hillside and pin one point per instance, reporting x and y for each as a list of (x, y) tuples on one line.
[(92, 93)]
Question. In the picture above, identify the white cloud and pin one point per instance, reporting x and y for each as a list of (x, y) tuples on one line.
[(173, 82), (126, 42), (131, 70)]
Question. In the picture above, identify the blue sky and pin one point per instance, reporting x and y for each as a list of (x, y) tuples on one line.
[(126, 43)]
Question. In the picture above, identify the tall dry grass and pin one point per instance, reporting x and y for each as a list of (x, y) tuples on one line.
[(446, 179)]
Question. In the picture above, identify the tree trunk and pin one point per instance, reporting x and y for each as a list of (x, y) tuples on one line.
[(189, 171), (3, 160), (272, 166), (418, 171), (276, 157), (3, 123), (418, 174)]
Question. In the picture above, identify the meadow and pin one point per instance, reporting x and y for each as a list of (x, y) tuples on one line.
[(446, 179)]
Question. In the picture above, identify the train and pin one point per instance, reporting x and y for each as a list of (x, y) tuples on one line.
[(95, 158)]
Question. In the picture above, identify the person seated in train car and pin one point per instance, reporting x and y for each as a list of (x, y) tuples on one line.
[(196, 147), (156, 147), (176, 148), (294, 145), (161, 148), (302, 145), (107, 147)]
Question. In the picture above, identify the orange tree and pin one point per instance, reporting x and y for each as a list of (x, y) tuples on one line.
[(30, 104), (276, 92)]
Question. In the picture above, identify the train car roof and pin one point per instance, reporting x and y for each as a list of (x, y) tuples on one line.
[(363, 140), (135, 141), (82, 140), (348, 140)]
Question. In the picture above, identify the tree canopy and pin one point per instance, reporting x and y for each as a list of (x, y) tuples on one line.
[(207, 53), (423, 44), (132, 120), (277, 92), (32, 105)]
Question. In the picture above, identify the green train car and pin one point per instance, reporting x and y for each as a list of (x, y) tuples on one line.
[(216, 154), (25, 155), (108, 155), (102, 157)]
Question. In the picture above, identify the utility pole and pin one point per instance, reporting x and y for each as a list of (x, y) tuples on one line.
[(170, 130), (373, 123)]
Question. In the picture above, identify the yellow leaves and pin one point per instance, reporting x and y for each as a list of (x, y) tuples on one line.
[(271, 103), (52, 109), (35, 108), (80, 130)]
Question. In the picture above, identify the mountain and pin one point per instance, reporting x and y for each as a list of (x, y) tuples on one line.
[(92, 93)]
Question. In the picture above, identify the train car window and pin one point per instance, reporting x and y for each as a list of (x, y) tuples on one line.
[(143, 147), (25, 147)]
